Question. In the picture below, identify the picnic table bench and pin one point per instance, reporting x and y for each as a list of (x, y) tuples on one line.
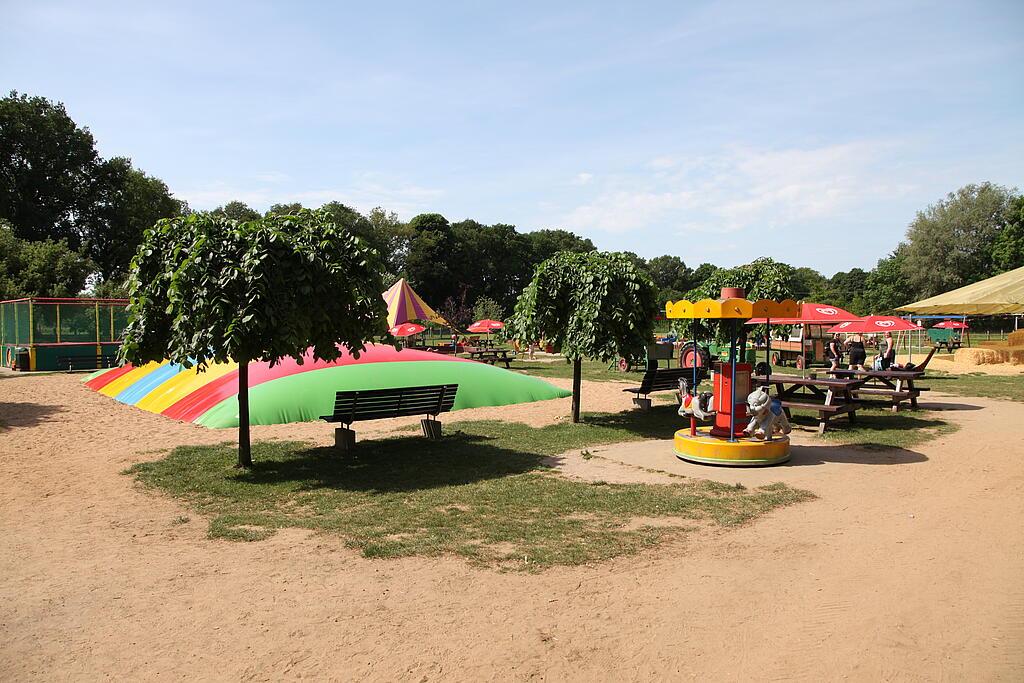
[(91, 362), (491, 356), (662, 379), (376, 404), (830, 397), (896, 385)]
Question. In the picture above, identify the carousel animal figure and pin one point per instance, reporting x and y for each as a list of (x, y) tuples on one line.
[(767, 417), (698, 406)]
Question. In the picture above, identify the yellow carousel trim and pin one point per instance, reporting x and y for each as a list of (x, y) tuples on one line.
[(711, 450), (737, 309)]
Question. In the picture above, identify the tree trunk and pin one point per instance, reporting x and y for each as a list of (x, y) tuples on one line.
[(244, 450), (577, 374)]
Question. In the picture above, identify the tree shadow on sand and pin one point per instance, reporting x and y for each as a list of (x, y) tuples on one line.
[(23, 414), (392, 465)]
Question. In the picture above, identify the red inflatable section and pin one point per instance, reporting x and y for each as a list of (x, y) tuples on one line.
[(100, 381), (206, 397)]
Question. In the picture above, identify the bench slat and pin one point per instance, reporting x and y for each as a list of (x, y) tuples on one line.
[(375, 404)]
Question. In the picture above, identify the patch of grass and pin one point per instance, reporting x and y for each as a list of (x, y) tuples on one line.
[(1010, 387), (482, 493)]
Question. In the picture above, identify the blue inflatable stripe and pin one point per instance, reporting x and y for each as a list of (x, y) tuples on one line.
[(135, 393)]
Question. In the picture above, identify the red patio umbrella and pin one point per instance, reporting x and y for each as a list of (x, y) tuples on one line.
[(406, 330), (487, 326), (812, 314), (875, 323), (952, 325)]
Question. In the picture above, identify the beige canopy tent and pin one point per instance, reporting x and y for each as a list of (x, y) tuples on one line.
[(1003, 293)]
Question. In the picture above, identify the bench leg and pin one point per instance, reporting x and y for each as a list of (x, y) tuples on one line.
[(822, 421), (642, 403), (431, 428), (344, 439)]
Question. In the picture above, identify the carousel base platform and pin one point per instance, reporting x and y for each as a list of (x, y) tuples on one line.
[(711, 450)]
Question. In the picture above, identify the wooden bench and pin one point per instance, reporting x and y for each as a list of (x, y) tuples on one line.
[(94, 362), (664, 379), (377, 404)]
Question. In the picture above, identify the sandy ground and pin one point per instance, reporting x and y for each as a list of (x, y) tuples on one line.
[(909, 565)]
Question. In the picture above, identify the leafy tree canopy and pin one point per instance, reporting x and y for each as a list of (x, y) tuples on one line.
[(487, 308), (949, 244), (588, 305), (1008, 247), (41, 268), (207, 288), (239, 211), (763, 278), (125, 202), (547, 243), (46, 168)]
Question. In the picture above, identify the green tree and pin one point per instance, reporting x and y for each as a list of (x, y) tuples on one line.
[(887, 287), (547, 243), (487, 308), (807, 281), (239, 211), (700, 275), (291, 209), (207, 288), (588, 305), (429, 263), (1008, 247), (847, 290), (41, 268), (394, 236), (124, 203), (669, 272), (46, 168), (949, 244), (763, 278)]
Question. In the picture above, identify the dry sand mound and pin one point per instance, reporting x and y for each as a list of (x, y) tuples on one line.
[(907, 566)]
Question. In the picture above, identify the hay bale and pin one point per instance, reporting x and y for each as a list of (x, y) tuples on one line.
[(1015, 338), (990, 356)]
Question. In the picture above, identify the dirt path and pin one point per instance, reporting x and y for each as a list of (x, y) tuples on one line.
[(908, 566)]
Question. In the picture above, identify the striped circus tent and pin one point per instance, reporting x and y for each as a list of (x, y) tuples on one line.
[(405, 305)]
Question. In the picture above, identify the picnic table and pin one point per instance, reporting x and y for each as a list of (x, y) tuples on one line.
[(491, 356), (829, 396), (896, 385)]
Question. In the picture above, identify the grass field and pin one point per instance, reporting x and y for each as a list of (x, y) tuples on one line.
[(483, 493)]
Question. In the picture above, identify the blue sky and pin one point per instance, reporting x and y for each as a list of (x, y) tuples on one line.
[(809, 132)]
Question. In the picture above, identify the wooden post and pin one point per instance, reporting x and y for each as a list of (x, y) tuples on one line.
[(577, 376), (244, 447)]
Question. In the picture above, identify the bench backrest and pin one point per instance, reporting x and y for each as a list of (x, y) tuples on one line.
[(667, 378), (376, 404)]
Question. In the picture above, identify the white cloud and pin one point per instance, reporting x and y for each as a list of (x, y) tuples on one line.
[(741, 188), (582, 178)]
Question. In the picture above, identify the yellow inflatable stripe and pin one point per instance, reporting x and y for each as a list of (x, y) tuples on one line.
[(129, 378), (181, 385)]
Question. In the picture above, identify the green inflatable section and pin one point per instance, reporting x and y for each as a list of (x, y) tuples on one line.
[(308, 395)]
